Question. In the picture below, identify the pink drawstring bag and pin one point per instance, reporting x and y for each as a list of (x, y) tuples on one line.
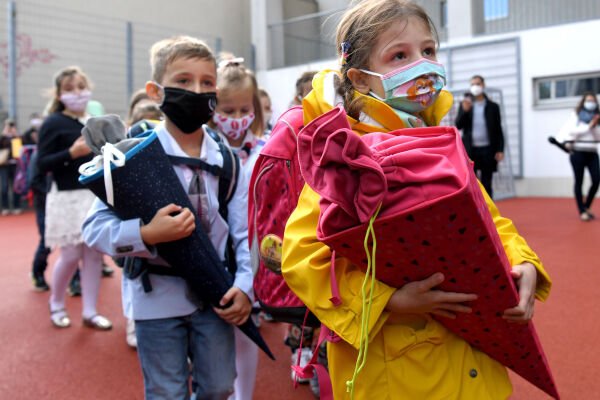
[(433, 218)]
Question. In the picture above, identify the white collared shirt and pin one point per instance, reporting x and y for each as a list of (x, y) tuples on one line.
[(104, 231)]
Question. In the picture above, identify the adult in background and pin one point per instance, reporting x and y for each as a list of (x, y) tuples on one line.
[(8, 164), (31, 135), (479, 119), (582, 128)]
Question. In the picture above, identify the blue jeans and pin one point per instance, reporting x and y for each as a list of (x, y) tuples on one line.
[(163, 349)]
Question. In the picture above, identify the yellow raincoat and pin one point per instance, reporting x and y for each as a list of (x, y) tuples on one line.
[(409, 356)]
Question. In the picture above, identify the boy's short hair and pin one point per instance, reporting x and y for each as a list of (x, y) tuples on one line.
[(164, 52)]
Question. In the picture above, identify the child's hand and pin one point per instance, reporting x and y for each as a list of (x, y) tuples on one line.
[(239, 311), (419, 297), (79, 148), (526, 276), (167, 228)]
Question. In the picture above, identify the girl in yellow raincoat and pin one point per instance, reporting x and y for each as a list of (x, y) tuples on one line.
[(390, 79)]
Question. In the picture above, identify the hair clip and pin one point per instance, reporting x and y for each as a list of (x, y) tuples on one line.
[(345, 52), (232, 61)]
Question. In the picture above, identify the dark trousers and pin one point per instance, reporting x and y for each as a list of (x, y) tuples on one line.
[(579, 161), (485, 163), (40, 259), (7, 176)]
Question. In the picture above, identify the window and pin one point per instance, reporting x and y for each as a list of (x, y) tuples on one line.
[(562, 90), (495, 9)]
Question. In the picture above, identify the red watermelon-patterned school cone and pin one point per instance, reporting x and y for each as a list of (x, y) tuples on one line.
[(433, 218)]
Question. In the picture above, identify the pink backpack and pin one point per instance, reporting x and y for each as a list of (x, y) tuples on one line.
[(275, 186)]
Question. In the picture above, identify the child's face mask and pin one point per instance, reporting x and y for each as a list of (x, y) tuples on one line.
[(186, 109), (76, 101), (233, 128), (414, 87)]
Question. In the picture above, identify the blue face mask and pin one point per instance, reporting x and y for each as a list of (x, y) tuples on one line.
[(414, 87)]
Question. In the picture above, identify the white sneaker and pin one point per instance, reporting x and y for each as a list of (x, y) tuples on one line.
[(16, 211), (5, 211), (305, 357), (130, 333)]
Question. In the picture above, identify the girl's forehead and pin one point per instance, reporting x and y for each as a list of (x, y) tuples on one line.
[(74, 79), (404, 29), (240, 91)]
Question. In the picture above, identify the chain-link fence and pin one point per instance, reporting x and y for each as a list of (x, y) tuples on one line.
[(113, 53)]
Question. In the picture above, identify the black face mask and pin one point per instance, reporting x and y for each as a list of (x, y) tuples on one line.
[(188, 110)]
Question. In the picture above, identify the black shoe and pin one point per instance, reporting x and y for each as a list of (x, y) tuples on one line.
[(74, 288), (107, 271), (39, 283)]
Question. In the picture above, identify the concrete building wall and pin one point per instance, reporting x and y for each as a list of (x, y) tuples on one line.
[(52, 35)]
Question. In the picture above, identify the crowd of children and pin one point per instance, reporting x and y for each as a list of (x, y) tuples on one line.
[(383, 46)]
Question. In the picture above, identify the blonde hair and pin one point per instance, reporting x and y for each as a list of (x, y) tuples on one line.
[(164, 52), (234, 76), (360, 27), (66, 73)]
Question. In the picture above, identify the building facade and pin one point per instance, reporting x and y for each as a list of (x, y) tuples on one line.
[(538, 55)]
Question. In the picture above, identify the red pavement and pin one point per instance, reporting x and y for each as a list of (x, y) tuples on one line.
[(42, 362)]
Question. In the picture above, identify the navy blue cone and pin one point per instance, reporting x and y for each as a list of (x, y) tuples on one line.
[(147, 183)]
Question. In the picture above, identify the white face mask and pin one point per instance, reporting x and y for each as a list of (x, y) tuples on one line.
[(476, 90), (76, 101), (35, 122), (590, 105)]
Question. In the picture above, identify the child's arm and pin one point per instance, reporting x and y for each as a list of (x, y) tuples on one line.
[(527, 269), (107, 233), (306, 265), (241, 293), (517, 250)]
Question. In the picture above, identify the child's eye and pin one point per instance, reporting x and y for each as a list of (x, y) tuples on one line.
[(208, 83), (399, 56), (182, 81), (429, 52)]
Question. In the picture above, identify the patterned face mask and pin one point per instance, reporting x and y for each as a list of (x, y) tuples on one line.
[(414, 87), (233, 128)]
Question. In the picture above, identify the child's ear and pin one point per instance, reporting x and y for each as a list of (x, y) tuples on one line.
[(359, 80), (154, 92)]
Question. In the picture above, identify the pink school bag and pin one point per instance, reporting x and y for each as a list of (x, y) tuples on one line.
[(275, 186), (431, 216)]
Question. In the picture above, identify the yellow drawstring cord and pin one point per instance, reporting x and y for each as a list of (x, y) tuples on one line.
[(364, 325)]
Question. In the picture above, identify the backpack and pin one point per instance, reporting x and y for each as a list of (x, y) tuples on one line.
[(228, 177), (21, 181), (275, 186)]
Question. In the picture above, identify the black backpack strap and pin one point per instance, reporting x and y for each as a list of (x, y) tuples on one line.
[(214, 170), (227, 187), (231, 166)]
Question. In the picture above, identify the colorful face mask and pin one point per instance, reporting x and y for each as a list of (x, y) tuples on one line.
[(76, 101), (233, 128), (414, 87)]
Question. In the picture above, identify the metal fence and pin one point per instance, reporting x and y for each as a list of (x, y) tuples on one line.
[(113, 53)]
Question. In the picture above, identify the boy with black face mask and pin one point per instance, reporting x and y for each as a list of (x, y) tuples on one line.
[(169, 325)]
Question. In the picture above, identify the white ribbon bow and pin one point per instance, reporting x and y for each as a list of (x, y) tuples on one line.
[(110, 154)]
